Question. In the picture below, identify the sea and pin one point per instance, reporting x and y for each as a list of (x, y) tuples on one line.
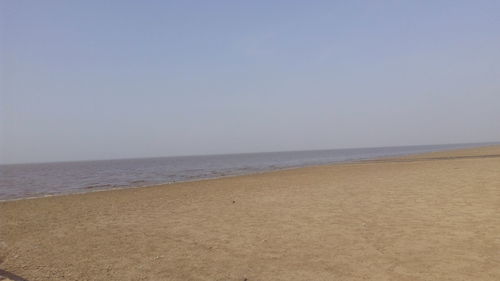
[(45, 179)]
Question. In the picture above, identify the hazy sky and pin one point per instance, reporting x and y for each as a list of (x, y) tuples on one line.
[(118, 79)]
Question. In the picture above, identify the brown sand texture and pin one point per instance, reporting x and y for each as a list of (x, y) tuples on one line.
[(427, 217)]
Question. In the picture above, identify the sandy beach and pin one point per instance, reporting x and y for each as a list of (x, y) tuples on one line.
[(433, 216)]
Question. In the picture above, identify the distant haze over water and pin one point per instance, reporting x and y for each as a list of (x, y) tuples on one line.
[(29, 180)]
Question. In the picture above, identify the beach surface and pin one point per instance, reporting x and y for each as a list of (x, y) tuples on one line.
[(433, 216)]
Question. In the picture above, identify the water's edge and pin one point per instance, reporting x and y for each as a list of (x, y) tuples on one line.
[(189, 169)]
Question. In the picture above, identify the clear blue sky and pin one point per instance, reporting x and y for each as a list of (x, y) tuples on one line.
[(118, 79)]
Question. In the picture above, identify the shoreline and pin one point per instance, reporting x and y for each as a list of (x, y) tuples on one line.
[(374, 159), (431, 216)]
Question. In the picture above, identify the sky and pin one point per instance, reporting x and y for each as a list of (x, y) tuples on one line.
[(83, 80)]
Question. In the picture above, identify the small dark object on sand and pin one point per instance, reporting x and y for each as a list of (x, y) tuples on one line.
[(5, 275), (234, 201)]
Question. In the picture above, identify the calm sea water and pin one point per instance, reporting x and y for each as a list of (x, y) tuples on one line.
[(30, 180)]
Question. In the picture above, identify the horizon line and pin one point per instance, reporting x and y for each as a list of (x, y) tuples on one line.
[(242, 153)]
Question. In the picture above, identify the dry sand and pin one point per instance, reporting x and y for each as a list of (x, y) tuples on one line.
[(427, 217)]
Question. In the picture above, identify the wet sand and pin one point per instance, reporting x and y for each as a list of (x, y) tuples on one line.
[(433, 216)]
